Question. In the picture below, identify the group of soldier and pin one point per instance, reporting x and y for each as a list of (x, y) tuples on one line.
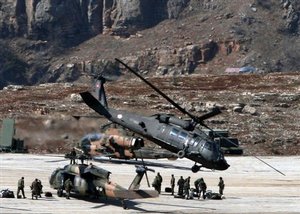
[(184, 187), (36, 188)]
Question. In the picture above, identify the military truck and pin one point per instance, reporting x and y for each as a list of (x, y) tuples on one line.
[(7, 141), (229, 145)]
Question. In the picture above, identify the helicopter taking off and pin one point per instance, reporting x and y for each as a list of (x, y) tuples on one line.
[(93, 181), (168, 131)]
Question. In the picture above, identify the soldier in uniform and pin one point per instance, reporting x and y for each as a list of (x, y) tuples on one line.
[(172, 183), (40, 186), (35, 189), (21, 187), (72, 156), (221, 185), (186, 187), (180, 184), (202, 188), (68, 186), (196, 183), (157, 182)]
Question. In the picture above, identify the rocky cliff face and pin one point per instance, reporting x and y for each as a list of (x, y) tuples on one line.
[(72, 21), (38, 34)]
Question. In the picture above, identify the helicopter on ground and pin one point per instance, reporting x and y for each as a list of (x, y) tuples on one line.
[(183, 137), (93, 181)]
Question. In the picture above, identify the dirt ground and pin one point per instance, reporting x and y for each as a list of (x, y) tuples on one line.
[(44, 113)]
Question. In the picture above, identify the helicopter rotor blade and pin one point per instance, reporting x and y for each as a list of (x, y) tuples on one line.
[(158, 91), (196, 119), (212, 113)]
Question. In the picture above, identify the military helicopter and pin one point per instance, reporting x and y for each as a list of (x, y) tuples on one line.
[(93, 181), (116, 143), (183, 137)]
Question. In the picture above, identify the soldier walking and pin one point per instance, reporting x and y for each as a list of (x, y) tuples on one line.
[(172, 183), (221, 185), (180, 184), (186, 187), (21, 187), (68, 186)]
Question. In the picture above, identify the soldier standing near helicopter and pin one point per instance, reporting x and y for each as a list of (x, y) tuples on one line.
[(172, 183), (68, 186)]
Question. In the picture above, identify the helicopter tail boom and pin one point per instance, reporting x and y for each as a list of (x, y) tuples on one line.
[(94, 104)]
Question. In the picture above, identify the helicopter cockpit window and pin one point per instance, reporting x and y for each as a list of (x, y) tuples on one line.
[(174, 132), (208, 146), (182, 135)]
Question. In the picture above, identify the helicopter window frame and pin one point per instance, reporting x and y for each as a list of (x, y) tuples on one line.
[(174, 132), (182, 136)]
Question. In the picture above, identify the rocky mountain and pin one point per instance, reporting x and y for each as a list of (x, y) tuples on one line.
[(60, 41), (191, 49)]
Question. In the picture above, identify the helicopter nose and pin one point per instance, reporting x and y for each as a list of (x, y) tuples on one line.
[(86, 147), (222, 165)]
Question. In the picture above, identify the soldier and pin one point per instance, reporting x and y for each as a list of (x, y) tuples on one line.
[(35, 189), (40, 186), (72, 156), (186, 187), (196, 183), (68, 186), (180, 184), (172, 183), (157, 183), (21, 187), (202, 188), (221, 185)]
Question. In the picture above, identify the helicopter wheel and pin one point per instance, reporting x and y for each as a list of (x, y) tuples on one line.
[(195, 168), (59, 192), (181, 154)]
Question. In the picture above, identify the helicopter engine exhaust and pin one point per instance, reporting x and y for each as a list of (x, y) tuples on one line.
[(129, 143)]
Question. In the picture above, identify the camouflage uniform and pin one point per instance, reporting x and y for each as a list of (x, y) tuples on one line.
[(172, 183), (72, 156), (196, 183), (202, 187), (68, 186), (40, 186), (21, 187), (186, 187), (221, 185), (35, 188), (180, 184), (157, 183)]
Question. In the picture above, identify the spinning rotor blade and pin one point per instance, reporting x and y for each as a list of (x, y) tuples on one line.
[(195, 119)]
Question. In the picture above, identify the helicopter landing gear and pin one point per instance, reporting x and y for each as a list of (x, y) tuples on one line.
[(124, 205), (181, 154), (59, 192), (195, 168)]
